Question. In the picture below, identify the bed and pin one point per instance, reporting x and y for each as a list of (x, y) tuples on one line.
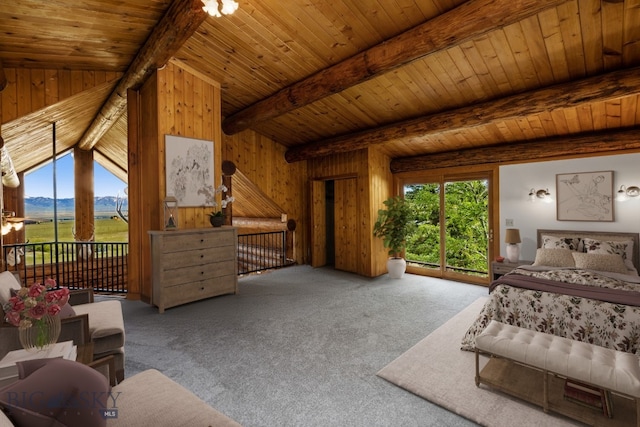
[(582, 285)]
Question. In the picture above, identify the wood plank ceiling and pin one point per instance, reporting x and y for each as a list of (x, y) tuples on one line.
[(417, 77)]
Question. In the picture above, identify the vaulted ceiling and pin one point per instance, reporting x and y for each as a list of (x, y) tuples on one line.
[(423, 79)]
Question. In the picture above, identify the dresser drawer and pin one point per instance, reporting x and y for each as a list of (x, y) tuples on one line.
[(197, 257), (186, 274), (194, 291), (188, 242)]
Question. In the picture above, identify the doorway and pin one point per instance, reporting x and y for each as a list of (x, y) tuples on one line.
[(334, 224)]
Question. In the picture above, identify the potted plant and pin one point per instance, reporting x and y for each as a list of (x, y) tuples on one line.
[(216, 218), (393, 225)]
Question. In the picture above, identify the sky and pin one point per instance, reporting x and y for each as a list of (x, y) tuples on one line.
[(39, 183)]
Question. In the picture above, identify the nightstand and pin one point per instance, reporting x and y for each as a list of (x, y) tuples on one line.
[(501, 268)]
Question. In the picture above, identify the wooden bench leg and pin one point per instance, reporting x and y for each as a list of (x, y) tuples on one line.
[(477, 368), (545, 391)]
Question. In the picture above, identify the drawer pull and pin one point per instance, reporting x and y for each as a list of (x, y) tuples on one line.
[(202, 288), (201, 240)]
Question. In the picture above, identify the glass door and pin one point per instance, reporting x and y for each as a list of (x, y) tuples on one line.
[(452, 239)]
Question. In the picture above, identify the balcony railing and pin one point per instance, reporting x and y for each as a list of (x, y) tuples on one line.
[(103, 266), (77, 265)]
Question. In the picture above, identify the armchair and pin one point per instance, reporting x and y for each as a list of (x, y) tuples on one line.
[(96, 327)]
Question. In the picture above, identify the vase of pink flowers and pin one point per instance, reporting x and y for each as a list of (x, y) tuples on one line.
[(35, 311)]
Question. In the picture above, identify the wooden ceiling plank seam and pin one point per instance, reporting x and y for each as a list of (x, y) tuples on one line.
[(550, 26), (613, 18), (572, 120), (474, 57), (517, 41), (470, 78), (507, 60), (591, 29), (572, 38), (631, 33), (560, 121), (537, 50), (492, 64), (457, 82), (599, 116), (613, 114), (585, 117)]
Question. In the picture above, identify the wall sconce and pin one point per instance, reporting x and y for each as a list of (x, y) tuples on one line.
[(625, 192), (512, 238), (540, 194)]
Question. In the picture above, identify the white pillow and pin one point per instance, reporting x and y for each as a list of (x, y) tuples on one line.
[(554, 257), (553, 242), (601, 262), (7, 283), (622, 248)]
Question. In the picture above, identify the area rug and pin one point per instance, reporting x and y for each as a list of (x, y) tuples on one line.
[(438, 371)]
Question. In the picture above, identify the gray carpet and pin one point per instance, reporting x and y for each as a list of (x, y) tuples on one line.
[(300, 346)]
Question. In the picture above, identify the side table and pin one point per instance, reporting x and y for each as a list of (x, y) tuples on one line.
[(499, 269)]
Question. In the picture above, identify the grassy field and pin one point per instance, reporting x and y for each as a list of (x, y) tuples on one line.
[(106, 230)]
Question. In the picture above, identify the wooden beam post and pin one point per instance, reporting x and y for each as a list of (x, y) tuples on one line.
[(467, 21), (593, 89), (179, 23), (539, 150)]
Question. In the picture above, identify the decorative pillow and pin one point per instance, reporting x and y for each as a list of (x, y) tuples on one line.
[(622, 248), (554, 257), (601, 262), (59, 385), (8, 283), (553, 242), (66, 311)]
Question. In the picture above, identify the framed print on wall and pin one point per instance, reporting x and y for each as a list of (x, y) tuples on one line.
[(189, 170), (585, 196)]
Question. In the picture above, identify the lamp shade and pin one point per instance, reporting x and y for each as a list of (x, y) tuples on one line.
[(512, 236)]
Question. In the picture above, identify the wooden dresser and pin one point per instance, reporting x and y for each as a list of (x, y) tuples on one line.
[(190, 265)]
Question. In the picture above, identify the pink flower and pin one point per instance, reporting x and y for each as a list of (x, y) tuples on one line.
[(13, 317), (36, 290), (37, 311), (52, 310), (50, 283)]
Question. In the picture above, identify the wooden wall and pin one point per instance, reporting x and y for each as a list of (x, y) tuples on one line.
[(262, 161), (31, 89), (374, 184), (172, 102)]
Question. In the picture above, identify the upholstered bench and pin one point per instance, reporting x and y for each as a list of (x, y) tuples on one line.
[(604, 368)]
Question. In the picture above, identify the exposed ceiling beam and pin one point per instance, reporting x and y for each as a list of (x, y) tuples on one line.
[(465, 22), (612, 142), (593, 89), (179, 23)]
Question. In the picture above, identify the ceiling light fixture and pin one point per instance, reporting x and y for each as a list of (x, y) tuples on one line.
[(218, 8)]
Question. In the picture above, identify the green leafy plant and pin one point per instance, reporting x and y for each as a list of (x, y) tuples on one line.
[(394, 224)]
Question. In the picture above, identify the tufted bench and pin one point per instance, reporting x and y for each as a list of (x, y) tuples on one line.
[(601, 367)]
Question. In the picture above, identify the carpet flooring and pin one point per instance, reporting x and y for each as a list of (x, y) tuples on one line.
[(300, 346), (437, 370)]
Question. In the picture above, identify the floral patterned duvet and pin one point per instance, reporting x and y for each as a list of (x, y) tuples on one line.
[(610, 325)]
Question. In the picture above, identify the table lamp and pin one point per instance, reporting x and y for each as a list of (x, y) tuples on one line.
[(512, 239)]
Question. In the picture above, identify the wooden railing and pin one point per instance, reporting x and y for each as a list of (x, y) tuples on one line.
[(263, 251), (77, 265)]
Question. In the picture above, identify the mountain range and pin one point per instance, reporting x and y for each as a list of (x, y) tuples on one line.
[(38, 207)]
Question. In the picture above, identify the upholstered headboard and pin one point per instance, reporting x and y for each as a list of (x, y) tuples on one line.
[(611, 236)]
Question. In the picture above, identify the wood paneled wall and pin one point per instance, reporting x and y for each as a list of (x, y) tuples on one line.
[(374, 184), (262, 161), (30, 89), (172, 102)]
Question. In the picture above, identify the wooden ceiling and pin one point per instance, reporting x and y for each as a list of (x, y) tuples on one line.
[(417, 77)]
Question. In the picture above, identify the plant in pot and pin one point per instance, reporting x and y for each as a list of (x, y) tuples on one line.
[(393, 225), (216, 218)]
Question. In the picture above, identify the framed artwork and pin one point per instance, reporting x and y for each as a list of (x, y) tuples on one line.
[(189, 170), (585, 196)]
